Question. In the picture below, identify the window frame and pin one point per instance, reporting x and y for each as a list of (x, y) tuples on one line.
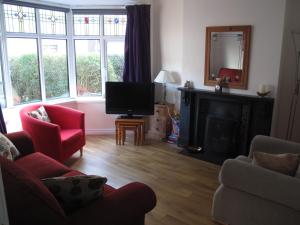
[(39, 37), (103, 39), (106, 51), (69, 37)]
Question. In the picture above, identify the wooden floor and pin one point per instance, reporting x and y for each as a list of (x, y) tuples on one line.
[(184, 186)]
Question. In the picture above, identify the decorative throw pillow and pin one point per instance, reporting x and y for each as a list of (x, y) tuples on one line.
[(7, 148), (77, 191), (283, 163), (40, 114)]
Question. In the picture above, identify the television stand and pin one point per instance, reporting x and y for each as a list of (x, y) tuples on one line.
[(132, 123), (130, 117)]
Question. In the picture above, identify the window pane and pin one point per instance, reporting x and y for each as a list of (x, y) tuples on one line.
[(115, 60), (55, 68), (2, 95), (115, 24), (52, 22), (86, 24), (19, 19), (24, 70), (88, 67)]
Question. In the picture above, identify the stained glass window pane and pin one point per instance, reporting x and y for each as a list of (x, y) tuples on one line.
[(115, 24), (87, 24), (55, 68), (24, 70), (115, 60), (88, 67), (19, 19), (52, 22)]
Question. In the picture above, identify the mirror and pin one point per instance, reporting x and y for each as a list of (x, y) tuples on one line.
[(227, 55)]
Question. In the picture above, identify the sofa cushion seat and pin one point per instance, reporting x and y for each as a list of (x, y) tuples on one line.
[(71, 138), (42, 166)]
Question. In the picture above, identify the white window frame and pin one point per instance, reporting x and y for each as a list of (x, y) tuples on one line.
[(70, 38), (103, 39), (38, 36)]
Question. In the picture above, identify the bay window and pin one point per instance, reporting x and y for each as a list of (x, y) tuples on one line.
[(50, 52), (88, 67), (99, 50), (55, 67), (24, 70)]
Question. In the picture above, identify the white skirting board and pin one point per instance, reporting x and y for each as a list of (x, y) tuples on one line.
[(100, 131), (3, 209)]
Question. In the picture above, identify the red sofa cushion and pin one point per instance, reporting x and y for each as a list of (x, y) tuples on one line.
[(72, 140), (37, 202), (42, 166), (70, 134)]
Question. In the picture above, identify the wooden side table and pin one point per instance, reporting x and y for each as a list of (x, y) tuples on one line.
[(137, 125)]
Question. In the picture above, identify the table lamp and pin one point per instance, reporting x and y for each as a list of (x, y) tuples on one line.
[(164, 77)]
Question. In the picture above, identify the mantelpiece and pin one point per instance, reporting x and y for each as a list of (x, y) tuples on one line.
[(221, 126)]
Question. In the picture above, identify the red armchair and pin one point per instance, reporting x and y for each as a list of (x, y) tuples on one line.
[(59, 139), (30, 202)]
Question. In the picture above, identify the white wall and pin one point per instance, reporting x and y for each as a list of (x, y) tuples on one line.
[(167, 35), (265, 16), (96, 121), (287, 76)]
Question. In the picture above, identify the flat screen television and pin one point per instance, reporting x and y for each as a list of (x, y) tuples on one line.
[(129, 98)]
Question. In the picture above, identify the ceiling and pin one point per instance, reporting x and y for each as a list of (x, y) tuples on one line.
[(92, 2)]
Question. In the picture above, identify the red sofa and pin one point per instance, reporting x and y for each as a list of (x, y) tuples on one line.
[(59, 139), (29, 201)]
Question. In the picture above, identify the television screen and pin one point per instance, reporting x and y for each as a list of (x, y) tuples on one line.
[(129, 98)]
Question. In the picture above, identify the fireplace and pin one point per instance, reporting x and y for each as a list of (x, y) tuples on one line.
[(221, 135), (215, 127)]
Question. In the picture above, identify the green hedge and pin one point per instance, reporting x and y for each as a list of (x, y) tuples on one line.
[(25, 75)]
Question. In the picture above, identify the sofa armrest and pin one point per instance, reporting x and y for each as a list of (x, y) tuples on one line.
[(122, 206), (22, 141), (261, 182), (273, 145)]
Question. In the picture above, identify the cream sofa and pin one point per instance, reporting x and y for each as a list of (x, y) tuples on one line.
[(252, 195)]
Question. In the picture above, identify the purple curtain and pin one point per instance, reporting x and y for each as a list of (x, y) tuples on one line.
[(137, 45), (2, 123)]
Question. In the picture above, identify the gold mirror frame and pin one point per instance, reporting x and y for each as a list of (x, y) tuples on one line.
[(243, 84)]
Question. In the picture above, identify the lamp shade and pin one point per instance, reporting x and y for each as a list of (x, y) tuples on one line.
[(164, 77)]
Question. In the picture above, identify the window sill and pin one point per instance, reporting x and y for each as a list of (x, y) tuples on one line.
[(81, 100), (86, 100)]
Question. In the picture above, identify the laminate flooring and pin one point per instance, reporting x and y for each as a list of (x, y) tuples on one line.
[(184, 186)]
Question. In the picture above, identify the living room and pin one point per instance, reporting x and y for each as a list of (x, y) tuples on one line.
[(185, 188)]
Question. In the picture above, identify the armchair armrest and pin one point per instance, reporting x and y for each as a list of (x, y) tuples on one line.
[(66, 118), (261, 182), (22, 141), (273, 145), (122, 206)]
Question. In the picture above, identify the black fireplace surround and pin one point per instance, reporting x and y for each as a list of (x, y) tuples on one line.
[(215, 127)]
